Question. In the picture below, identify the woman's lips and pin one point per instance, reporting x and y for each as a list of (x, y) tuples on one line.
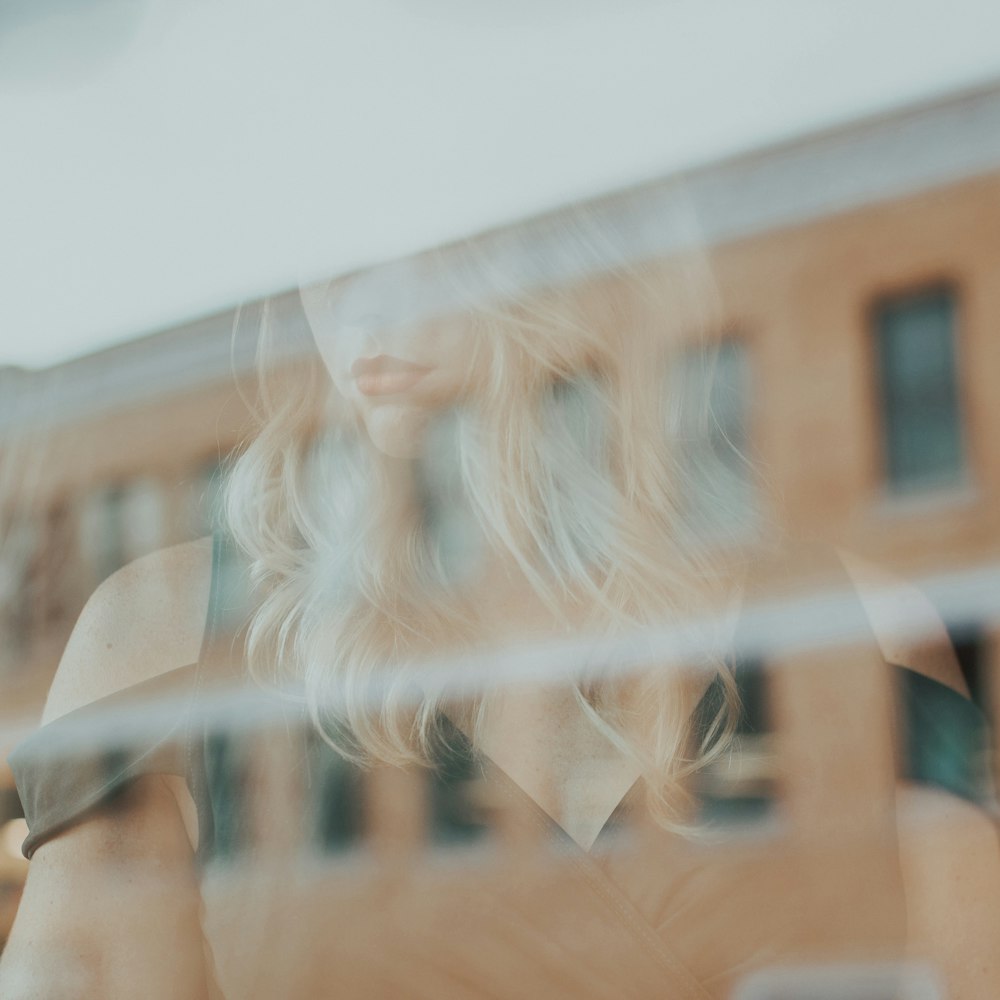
[(386, 376)]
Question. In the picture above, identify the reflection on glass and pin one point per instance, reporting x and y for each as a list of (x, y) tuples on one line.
[(488, 663)]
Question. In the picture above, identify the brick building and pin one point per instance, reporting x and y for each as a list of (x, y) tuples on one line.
[(859, 373)]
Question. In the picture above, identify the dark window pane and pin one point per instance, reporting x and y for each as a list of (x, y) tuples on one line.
[(921, 421), (739, 787), (455, 817), (225, 770), (337, 799), (715, 440), (231, 570)]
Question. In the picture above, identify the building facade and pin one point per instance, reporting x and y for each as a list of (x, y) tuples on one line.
[(859, 376)]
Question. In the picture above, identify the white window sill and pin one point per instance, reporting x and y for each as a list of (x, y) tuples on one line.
[(934, 500)]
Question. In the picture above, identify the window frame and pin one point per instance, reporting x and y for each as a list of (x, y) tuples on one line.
[(927, 496)]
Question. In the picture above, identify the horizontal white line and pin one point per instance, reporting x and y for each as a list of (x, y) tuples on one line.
[(786, 629)]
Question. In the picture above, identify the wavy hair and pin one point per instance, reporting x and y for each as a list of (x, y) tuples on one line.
[(568, 463)]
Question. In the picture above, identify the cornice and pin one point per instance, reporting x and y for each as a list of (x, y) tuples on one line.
[(863, 163)]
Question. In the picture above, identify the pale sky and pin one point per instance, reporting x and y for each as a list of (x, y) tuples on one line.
[(163, 159)]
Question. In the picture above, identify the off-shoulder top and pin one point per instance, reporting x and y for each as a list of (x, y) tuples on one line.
[(85, 760)]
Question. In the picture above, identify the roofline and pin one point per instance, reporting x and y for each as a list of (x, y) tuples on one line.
[(869, 161)]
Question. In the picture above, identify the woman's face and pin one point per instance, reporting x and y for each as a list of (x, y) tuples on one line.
[(395, 365)]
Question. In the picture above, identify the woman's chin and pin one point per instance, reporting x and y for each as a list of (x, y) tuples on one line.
[(397, 429)]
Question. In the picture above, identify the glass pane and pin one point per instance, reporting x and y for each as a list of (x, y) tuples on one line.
[(920, 394), (714, 439), (508, 614)]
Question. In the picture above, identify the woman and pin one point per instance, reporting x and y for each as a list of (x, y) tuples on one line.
[(490, 452)]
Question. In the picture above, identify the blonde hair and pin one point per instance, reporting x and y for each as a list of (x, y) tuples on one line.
[(567, 462)]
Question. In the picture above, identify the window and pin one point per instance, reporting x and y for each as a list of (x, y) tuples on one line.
[(740, 786), (337, 798), (120, 522), (232, 586), (714, 440), (102, 537), (454, 813), (227, 772), (921, 423), (19, 545)]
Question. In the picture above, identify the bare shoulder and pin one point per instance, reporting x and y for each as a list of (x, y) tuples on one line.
[(907, 627), (145, 619)]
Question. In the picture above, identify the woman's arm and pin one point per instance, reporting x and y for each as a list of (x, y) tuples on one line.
[(949, 849), (111, 908), (949, 853)]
